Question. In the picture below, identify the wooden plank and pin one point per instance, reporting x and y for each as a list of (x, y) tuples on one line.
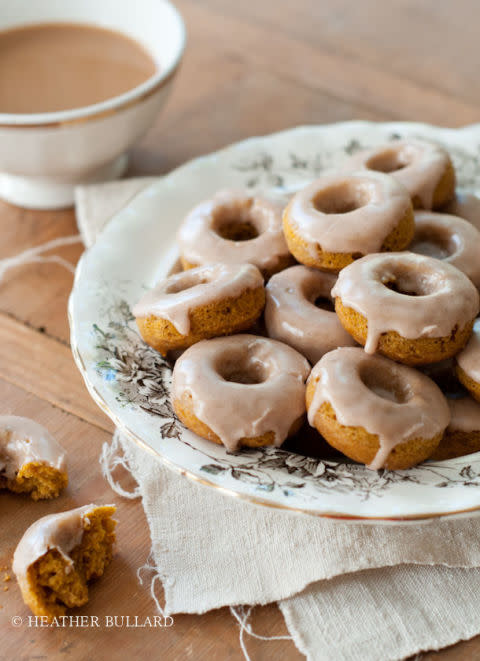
[(45, 367), (245, 101), (255, 104), (415, 40), (343, 76), (37, 294)]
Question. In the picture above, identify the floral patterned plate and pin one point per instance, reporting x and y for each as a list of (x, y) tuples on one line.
[(131, 382)]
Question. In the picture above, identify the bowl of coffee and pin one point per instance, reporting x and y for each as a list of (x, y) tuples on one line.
[(80, 82)]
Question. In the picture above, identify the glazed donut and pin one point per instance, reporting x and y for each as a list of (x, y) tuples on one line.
[(468, 363), (235, 228), (241, 390), (375, 411), (462, 436), (294, 314), (339, 218), (217, 299), (31, 460), (411, 308), (465, 205), (59, 554), (448, 238), (424, 168)]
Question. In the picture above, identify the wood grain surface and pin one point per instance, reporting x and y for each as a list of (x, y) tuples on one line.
[(251, 68)]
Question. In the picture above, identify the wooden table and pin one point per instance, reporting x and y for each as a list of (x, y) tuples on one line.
[(251, 68)]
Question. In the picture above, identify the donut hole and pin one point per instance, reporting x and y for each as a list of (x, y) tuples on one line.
[(324, 303), (235, 222), (386, 384), (246, 372), (400, 288), (342, 197), (433, 243), (408, 282), (316, 289), (389, 160), (237, 230)]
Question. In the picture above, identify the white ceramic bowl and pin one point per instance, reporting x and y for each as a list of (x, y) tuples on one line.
[(44, 155)]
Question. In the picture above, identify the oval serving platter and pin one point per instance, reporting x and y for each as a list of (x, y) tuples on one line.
[(131, 382)]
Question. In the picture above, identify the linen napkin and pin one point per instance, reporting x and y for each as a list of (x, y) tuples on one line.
[(348, 591)]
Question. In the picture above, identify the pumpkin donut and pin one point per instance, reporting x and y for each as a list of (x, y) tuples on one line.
[(448, 238), (468, 363), (466, 205), (411, 308), (339, 218), (375, 411), (424, 168), (462, 436), (235, 227), (31, 460), (241, 390), (218, 299), (299, 311), (60, 554)]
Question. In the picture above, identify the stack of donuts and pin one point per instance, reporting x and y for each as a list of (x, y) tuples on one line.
[(351, 304)]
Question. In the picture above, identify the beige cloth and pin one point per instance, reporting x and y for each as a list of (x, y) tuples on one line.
[(388, 596)]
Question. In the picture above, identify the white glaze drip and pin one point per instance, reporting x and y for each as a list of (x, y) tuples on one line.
[(444, 298), (173, 299), (449, 238), (23, 441), (380, 204), (200, 243), (63, 531), (469, 358), (356, 384), (218, 375)]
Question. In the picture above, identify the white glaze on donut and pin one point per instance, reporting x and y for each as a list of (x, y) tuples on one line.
[(174, 299), (416, 164), (395, 402), (200, 242), (465, 411), (212, 372), (23, 441), (321, 215), (291, 315), (445, 296), (466, 205), (62, 531), (465, 414), (449, 238), (469, 358)]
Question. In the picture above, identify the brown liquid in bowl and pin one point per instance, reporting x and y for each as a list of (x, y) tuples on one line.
[(58, 66)]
